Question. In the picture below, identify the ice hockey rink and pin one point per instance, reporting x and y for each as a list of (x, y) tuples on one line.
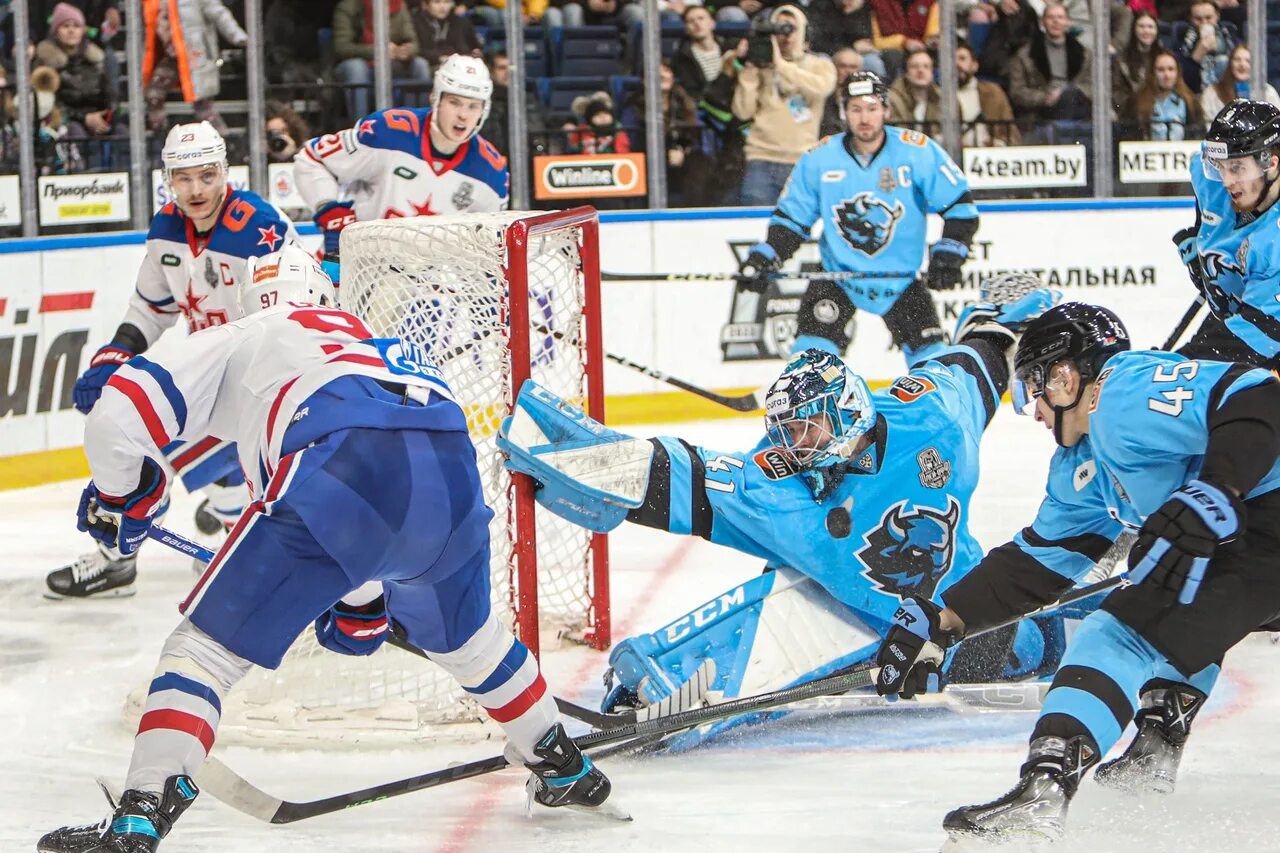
[(870, 780)]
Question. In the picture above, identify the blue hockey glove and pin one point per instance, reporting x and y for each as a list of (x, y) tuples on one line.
[(761, 261), (105, 362), (331, 218), (911, 655), (1177, 541), (945, 260), (122, 522), (354, 630)]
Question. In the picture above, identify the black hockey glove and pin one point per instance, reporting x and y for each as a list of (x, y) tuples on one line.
[(945, 260), (1177, 541), (1185, 240), (761, 261), (912, 651)]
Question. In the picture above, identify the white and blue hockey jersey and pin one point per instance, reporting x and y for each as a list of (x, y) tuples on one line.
[(184, 274), (1241, 264), (874, 217), (386, 166)]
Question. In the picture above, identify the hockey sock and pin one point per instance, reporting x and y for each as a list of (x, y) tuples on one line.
[(502, 675), (184, 705), (227, 502)]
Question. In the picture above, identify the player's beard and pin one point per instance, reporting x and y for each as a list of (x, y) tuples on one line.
[(204, 219)]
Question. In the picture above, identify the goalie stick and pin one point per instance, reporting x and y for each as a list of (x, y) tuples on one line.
[(229, 787)]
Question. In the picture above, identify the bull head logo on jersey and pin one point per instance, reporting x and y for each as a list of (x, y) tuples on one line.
[(867, 221), (910, 552), (1222, 275)]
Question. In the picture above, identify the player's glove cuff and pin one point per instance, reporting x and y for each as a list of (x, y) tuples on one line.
[(945, 259), (911, 656), (1179, 539), (331, 218), (354, 629), (761, 261)]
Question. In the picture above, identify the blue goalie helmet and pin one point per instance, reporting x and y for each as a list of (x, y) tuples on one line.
[(817, 410)]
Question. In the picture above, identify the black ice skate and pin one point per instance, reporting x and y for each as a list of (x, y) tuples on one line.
[(136, 825), (1035, 811), (208, 522), (566, 777), (94, 575), (1150, 764)]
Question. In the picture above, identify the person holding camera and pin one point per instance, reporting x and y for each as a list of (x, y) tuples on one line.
[(873, 187), (781, 88), (286, 131)]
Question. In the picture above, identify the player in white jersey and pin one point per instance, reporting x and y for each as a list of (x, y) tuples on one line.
[(408, 162), (367, 508), (198, 247)]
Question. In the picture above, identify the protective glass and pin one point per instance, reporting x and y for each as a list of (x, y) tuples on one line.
[(1219, 167), (1027, 387)]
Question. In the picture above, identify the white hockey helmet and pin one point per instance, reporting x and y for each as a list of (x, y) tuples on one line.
[(289, 275), (467, 77), (195, 144)]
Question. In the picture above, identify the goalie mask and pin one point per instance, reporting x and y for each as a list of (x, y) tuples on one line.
[(817, 410), (289, 275)]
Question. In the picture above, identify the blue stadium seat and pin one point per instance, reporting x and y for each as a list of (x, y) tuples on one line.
[(557, 93), (670, 38), (587, 51)]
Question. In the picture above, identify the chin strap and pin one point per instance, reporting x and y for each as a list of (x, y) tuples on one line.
[(1264, 203), (1060, 411)]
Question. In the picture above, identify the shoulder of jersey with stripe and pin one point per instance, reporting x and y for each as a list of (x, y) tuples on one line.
[(398, 129), (250, 226), (168, 224), (483, 162)]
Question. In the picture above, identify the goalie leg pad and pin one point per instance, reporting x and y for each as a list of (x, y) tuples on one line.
[(771, 632), (589, 474)]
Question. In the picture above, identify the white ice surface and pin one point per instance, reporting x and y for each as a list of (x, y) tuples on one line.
[(874, 781)]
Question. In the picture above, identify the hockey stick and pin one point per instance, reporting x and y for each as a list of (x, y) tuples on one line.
[(1186, 321), (226, 785), (839, 275)]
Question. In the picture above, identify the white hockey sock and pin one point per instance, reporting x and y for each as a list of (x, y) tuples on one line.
[(502, 675), (184, 705), (227, 502)]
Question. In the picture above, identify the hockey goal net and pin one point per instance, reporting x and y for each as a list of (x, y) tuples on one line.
[(494, 299)]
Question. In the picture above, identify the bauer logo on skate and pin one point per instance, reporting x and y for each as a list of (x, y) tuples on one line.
[(589, 176)]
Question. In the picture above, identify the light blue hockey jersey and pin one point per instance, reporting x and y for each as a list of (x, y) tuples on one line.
[(1241, 264), (874, 217), (1148, 429), (898, 524)]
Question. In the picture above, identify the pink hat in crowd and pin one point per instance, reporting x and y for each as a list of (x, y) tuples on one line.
[(64, 12)]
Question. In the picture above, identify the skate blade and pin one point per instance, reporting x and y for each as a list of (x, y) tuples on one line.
[(609, 810), (118, 592), (969, 842)]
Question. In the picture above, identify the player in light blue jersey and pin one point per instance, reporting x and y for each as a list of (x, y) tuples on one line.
[(853, 499), (1184, 453), (873, 188), (1233, 249)]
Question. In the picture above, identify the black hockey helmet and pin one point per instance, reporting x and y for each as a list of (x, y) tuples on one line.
[(864, 83), (1242, 129), (1085, 335)]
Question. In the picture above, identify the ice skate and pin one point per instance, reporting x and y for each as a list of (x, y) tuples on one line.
[(93, 575), (566, 777), (1150, 764), (136, 825)]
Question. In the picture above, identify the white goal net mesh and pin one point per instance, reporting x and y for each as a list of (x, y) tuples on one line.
[(448, 284)]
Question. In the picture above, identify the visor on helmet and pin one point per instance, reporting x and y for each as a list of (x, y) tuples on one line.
[(1219, 165)]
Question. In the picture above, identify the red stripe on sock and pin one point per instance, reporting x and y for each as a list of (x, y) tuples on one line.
[(179, 721), (521, 703)]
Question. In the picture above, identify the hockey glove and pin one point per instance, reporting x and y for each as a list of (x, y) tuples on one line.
[(761, 261), (331, 218), (105, 362), (912, 652), (1177, 541), (354, 630), (945, 259), (122, 523), (1185, 240)]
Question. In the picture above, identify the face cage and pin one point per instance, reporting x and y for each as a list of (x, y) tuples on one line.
[(844, 431), (1244, 167)]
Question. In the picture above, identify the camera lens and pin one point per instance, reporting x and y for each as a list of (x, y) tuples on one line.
[(276, 142)]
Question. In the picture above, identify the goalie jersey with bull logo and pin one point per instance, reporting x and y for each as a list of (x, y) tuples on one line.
[(896, 522), (874, 215)]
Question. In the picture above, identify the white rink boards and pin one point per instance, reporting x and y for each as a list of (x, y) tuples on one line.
[(874, 781)]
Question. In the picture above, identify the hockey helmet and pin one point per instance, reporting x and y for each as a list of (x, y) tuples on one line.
[(289, 275), (817, 410), (467, 77), (1076, 332), (864, 83), (196, 144), (1244, 131)]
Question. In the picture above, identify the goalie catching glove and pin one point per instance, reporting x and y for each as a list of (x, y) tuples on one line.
[(587, 473), (910, 658)]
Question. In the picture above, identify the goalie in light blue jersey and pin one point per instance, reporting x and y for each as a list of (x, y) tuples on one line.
[(853, 499)]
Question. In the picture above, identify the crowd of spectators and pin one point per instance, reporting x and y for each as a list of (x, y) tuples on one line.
[(738, 108)]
